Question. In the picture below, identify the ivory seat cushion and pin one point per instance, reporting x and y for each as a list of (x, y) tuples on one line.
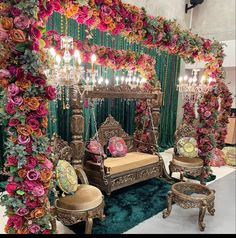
[(85, 198), (187, 162), (131, 160)]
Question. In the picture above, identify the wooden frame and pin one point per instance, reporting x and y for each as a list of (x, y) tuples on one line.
[(97, 173)]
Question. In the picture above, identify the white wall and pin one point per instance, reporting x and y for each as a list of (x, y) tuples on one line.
[(171, 9), (215, 19)]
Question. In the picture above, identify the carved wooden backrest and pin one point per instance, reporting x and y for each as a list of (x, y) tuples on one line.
[(61, 149), (111, 128), (184, 130)]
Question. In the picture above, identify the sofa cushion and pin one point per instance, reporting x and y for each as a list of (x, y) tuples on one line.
[(86, 197), (117, 147), (95, 147), (187, 162), (131, 160)]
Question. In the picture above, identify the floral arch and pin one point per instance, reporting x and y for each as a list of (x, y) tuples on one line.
[(22, 26)]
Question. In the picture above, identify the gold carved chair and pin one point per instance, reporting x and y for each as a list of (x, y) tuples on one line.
[(78, 201), (185, 158)]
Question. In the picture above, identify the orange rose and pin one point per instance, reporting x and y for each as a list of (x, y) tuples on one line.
[(24, 84), (33, 103), (22, 230), (22, 107), (24, 130), (41, 158), (111, 26), (46, 175), (17, 35), (7, 23), (38, 133), (45, 122), (37, 212), (108, 19), (13, 139), (138, 25), (3, 82), (70, 10), (22, 173), (108, 2), (91, 3), (95, 13)]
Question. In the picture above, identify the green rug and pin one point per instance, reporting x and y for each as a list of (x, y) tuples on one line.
[(127, 207)]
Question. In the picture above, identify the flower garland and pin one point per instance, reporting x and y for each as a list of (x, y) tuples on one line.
[(108, 57), (25, 113), (26, 94)]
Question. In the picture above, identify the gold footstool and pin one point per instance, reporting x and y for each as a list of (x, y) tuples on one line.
[(191, 195), (194, 166)]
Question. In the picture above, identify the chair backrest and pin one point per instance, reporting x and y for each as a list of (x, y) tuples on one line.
[(184, 130), (61, 149), (109, 128)]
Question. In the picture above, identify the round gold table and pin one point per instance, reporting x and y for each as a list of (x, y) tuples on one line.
[(191, 195)]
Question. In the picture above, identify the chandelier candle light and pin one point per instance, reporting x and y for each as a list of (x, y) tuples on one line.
[(191, 87)]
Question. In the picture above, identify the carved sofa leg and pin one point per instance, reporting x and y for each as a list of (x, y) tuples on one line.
[(89, 225)]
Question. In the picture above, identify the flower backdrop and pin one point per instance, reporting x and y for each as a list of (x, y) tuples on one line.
[(22, 27)]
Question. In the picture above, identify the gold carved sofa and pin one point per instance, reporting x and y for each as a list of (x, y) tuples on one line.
[(110, 173)]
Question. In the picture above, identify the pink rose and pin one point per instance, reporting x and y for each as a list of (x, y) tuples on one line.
[(13, 90), (33, 123), (42, 110), (35, 46), (22, 22), (11, 187), (23, 140), (22, 211), (47, 164), (17, 100), (11, 160), (31, 162), (3, 34), (38, 191), (15, 221), (105, 10), (34, 228), (32, 174), (10, 109), (13, 122), (29, 185), (4, 73), (50, 92), (29, 148), (32, 203), (207, 114)]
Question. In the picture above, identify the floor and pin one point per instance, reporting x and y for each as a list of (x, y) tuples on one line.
[(184, 221)]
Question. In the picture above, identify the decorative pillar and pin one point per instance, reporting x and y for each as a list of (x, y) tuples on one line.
[(155, 111), (77, 130)]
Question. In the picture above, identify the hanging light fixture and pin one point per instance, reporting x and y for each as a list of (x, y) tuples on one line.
[(192, 87)]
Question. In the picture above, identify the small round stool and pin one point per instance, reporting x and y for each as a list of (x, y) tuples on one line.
[(191, 195), (194, 166)]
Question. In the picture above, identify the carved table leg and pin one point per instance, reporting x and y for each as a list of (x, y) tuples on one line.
[(89, 225), (202, 213), (211, 206), (167, 211)]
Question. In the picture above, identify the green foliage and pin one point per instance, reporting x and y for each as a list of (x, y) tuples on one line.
[(29, 8)]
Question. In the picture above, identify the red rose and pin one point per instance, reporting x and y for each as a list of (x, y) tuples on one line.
[(50, 92), (35, 33), (31, 162), (42, 110), (46, 231), (11, 160), (15, 221), (10, 109), (11, 187), (33, 123), (13, 122)]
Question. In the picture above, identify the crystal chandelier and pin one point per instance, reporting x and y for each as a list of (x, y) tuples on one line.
[(191, 87)]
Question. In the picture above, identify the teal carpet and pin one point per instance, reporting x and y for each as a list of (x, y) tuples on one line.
[(127, 207)]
